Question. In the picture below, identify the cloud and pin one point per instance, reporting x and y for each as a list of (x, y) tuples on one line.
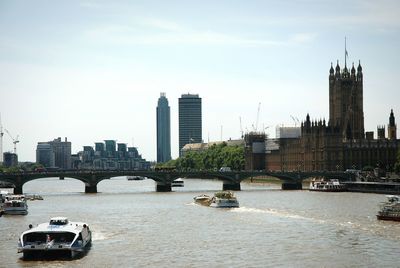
[(303, 37), (172, 34), (162, 24)]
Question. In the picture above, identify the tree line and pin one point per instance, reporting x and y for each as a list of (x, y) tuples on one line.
[(213, 158)]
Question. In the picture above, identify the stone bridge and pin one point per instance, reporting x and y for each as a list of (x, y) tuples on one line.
[(231, 179)]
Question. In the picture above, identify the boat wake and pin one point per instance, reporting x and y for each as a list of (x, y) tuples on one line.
[(275, 212), (98, 236)]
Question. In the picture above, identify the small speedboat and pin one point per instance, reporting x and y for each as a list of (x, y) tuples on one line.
[(203, 199), (15, 205), (56, 236)]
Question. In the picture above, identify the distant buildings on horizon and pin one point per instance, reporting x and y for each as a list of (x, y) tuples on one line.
[(56, 154)]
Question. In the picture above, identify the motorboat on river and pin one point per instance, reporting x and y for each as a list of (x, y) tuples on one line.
[(390, 210), (203, 199), (224, 199), (59, 235), (15, 205), (322, 185)]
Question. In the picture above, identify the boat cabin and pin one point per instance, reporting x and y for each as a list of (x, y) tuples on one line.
[(59, 221)]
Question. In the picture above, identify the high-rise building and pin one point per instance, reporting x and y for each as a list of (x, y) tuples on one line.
[(111, 147), (62, 153), (163, 130), (190, 125), (45, 154), (10, 159)]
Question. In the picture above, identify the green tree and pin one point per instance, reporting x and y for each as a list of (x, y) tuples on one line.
[(215, 157)]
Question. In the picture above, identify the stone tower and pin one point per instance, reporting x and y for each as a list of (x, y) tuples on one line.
[(346, 101), (392, 128)]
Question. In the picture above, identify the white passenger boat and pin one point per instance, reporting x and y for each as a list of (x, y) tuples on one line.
[(177, 183), (322, 185), (57, 236), (390, 210), (15, 205), (224, 199)]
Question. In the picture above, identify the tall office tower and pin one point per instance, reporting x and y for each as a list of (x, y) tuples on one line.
[(45, 154), (189, 120), (62, 153), (346, 101), (163, 130), (392, 128)]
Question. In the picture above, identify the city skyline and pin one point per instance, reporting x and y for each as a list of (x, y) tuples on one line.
[(96, 74)]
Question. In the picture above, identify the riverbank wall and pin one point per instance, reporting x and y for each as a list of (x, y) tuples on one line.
[(374, 187)]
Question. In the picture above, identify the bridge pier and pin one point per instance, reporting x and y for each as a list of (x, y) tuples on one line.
[(230, 186), (18, 189), (286, 185), (163, 187), (91, 189)]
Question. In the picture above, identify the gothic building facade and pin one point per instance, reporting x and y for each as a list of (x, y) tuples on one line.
[(341, 143)]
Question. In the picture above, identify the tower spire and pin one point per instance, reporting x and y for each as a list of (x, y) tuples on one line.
[(345, 52)]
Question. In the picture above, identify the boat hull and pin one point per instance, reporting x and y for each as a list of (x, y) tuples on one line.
[(388, 218), (55, 250), (15, 212), (225, 204), (327, 190)]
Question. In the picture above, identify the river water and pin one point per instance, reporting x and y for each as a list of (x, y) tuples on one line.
[(133, 226)]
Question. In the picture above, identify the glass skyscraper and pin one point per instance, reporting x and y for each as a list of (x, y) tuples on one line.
[(190, 130), (163, 130)]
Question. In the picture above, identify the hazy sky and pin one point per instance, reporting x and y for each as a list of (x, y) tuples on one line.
[(93, 70)]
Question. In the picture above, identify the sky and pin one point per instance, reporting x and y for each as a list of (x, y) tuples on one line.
[(93, 70)]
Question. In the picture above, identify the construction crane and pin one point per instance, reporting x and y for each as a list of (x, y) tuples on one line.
[(1, 141), (295, 120), (15, 140), (258, 116), (241, 129)]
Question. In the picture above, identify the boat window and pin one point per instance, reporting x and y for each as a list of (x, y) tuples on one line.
[(62, 237), (59, 222)]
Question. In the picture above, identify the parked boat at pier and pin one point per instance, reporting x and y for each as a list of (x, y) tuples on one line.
[(390, 210), (15, 205), (322, 185), (56, 236)]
